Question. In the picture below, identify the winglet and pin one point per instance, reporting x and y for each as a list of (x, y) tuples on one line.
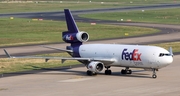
[(170, 51), (7, 54)]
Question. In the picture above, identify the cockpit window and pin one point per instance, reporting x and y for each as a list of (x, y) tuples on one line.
[(164, 54), (161, 54)]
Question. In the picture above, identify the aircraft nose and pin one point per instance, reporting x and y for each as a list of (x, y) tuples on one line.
[(168, 60)]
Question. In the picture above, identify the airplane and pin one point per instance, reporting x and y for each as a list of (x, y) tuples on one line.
[(96, 57)]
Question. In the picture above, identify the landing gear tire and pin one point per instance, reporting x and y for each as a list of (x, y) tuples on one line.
[(126, 71), (129, 72), (108, 72), (90, 73), (154, 73), (123, 71), (154, 76)]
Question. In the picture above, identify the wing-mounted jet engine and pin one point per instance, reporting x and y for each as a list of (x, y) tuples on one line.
[(94, 67)]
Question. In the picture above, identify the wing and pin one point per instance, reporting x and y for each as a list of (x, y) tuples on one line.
[(106, 61)]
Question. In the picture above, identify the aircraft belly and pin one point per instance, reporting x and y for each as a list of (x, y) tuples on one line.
[(135, 64)]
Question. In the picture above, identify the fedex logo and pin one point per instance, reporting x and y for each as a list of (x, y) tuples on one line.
[(135, 56), (69, 37)]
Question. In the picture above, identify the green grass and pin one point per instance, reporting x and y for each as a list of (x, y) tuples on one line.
[(133, 1), (33, 7), (15, 65), (55, 5), (165, 16), (26, 31), (36, 7), (175, 46), (100, 1)]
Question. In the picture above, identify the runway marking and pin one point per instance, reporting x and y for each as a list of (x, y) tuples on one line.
[(76, 79)]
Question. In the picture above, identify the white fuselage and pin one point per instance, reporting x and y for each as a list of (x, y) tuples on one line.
[(137, 56)]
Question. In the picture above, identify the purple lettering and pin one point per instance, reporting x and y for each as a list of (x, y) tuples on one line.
[(135, 56)]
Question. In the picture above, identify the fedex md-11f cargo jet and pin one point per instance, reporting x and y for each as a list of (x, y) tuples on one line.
[(97, 57)]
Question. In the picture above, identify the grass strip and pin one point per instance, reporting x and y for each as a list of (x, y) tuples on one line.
[(15, 65), (175, 46), (164, 16), (56, 5), (18, 31)]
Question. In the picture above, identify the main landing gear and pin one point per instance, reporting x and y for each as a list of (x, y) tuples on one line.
[(154, 73), (123, 71), (126, 71), (107, 71), (90, 73)]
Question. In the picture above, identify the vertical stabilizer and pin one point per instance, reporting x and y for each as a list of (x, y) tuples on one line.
[(71, 24), (73, 35)]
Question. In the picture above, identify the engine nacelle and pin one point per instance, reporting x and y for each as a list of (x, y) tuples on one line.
[(76, 37), (95, 66)]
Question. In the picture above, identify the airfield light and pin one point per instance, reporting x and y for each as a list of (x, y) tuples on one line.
[(11, 18)]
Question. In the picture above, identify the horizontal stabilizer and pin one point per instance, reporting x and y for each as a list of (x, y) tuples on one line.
[(58, 49)]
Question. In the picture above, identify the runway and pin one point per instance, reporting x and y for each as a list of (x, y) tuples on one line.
[(74, 82)]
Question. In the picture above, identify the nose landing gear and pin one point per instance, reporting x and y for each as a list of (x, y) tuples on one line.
[(154, 73)]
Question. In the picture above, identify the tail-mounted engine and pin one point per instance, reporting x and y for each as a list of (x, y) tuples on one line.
[(95, 66), (75, 37)]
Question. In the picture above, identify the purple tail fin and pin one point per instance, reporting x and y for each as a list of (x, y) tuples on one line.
[(73, 35), (71, 24), (70, 35)]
